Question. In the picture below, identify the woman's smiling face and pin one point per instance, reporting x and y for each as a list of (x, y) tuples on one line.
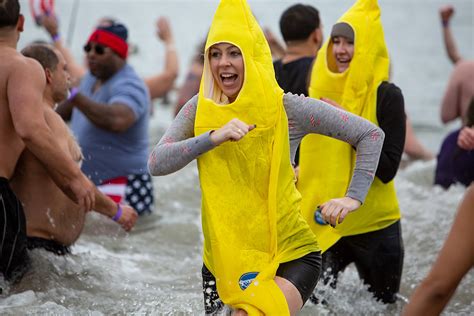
[(227, 67), (343, 51)]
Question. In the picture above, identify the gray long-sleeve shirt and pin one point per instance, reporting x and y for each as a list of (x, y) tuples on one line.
[(179, 146)]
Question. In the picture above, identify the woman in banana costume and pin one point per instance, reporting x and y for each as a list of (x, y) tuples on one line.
[(260, 256), (352, 69)]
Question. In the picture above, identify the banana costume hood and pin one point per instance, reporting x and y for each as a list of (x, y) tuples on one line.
[(250, 206), (326, 165)]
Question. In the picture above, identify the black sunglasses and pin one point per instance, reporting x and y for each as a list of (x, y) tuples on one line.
[(98, 49)]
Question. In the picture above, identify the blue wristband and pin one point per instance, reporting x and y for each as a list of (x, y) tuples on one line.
[(118, 214)]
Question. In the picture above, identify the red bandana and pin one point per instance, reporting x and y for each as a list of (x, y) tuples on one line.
[(109, 39)]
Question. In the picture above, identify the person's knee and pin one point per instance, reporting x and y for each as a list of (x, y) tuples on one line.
[(291, 293)]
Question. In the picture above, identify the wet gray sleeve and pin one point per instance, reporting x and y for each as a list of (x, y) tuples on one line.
[(178, 146), (307, 115)]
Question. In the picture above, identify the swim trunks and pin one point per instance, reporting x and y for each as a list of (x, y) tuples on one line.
[(49, 245), (14, 260)]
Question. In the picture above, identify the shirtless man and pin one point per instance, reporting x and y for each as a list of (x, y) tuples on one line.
[(54, 221), (22, 124)]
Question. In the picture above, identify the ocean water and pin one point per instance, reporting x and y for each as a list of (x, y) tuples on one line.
[(155, 270)]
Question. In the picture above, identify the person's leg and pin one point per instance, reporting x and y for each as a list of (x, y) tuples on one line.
[(379, 261), (335, 260), (298, 278), (212, 302)]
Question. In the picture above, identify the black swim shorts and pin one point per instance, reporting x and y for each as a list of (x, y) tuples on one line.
[(49, 245), (14, 259)]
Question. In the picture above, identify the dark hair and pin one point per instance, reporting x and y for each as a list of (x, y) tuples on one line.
[(44, 54), (298, 22), (9, 12), (470, 114)]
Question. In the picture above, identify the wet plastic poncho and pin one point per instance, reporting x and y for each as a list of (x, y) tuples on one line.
[(250, 205), (326, 164)]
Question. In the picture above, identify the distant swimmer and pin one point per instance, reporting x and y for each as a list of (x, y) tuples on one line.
[(260, 257), (23, 124), (53, 221)]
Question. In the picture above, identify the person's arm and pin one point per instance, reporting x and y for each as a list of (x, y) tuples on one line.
[(163, 82), (178, 146), (466, 138), (392, 120), (455, 259), (115, 117), (50, 24), (446, 13), (451, 104), (25, 94), (124, 215), (307, 115)]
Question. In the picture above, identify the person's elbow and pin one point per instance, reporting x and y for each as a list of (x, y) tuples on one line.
[(446, 118), (120, 124)]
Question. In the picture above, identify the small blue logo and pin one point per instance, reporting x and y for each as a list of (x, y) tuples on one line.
[(246, 279), (318, 217)]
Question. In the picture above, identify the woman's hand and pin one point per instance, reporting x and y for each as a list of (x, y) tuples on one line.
[(235, 130), (334, 211)]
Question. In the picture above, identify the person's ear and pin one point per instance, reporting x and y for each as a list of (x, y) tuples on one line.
[(318, 36), (20, 25), (49, 75)]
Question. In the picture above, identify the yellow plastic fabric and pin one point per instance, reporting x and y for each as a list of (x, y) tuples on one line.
[(326, 164), (250, 206)]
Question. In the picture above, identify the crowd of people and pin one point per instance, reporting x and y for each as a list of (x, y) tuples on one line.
[(261, 118)]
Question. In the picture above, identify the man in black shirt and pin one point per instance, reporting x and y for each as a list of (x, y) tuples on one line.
[(301, 29)]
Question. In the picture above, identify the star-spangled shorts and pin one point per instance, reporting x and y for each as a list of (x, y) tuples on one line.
[(135, 190)]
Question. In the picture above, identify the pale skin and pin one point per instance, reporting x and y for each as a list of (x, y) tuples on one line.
[(22, 121), (50, 214), (227, 68), (446, 13), (454, 261)]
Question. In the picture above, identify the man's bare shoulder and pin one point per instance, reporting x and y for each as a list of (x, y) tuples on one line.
[(25, 66)]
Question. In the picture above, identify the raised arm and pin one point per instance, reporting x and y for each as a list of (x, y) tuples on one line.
[(76, 70), (446, 13), (178, 146), (163, 82)]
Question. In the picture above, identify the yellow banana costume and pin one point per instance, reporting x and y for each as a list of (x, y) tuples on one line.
[(326, 164), (250, 205)]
